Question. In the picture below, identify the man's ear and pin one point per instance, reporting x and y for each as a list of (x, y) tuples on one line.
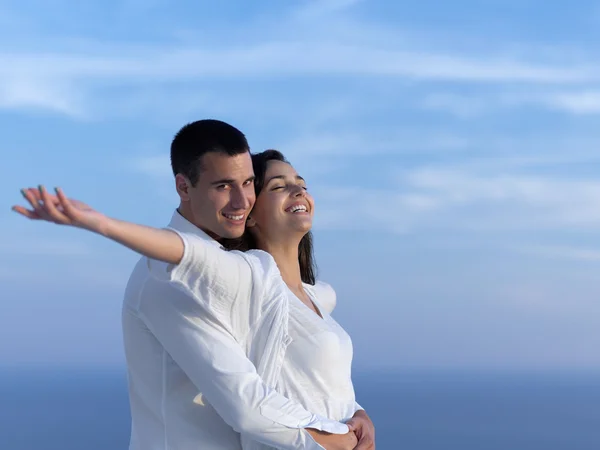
[(183, 185), (250, 222)]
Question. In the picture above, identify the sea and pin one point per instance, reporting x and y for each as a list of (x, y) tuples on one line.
[(74, 409)]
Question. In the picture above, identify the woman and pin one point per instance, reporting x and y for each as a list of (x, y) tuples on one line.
[(306, 355)]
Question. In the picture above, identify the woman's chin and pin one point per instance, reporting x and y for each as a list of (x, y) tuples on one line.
[(298, 230), (302, 223)]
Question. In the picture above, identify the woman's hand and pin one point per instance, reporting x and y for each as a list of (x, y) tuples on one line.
[(61, 210)]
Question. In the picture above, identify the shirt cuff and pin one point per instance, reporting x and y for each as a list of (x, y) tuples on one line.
[(327, 425), (289, 420)]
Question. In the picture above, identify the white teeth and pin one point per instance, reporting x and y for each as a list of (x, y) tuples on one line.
[(297, 208), (232, 217)]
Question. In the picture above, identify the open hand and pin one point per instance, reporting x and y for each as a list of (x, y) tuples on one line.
[(60, 210)]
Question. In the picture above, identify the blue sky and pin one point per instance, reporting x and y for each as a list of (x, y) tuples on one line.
[(452, 148)]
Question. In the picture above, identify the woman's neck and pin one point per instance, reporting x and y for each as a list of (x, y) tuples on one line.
[(286, 257)]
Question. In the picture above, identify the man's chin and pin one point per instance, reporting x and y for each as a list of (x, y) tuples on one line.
[(230, 231)]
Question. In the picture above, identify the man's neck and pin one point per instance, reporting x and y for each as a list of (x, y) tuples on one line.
[(187, 215)]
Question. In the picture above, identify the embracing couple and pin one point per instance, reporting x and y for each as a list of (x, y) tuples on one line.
[(228, 335)]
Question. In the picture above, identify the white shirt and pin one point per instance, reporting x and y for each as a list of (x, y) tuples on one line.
[(317, 367), (188, 331)]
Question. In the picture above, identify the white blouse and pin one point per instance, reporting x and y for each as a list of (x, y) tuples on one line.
[(316, 370)]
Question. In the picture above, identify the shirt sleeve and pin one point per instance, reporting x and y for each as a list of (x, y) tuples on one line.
[(216, 277), (192, 324)]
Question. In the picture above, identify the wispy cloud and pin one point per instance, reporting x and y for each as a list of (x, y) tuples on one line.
[(585, 102), (429, 199), (25, 93), (158, 166), (514, 200), (563, 252), (271, 59), (60, 78), (345, 143), (314, 9), (580, 102)]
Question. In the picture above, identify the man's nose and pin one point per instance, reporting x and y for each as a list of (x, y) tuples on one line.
[(240, 199)]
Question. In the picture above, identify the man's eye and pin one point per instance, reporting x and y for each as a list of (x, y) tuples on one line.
[(275, 188), (248, 183), (222, 187)]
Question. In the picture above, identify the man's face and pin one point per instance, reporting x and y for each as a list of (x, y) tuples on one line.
[(220, 202)]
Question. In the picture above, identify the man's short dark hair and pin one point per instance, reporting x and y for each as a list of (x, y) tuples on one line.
[(196, 139)]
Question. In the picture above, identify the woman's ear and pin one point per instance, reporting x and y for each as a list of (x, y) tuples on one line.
[(250, 222)]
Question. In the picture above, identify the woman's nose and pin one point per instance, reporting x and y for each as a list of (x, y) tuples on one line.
[(299, 191)]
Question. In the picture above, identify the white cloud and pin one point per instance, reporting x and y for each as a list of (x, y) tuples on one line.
[(30, 93), (462, 106), (314, 9), (425, 199), (582, 102), (513, 199), (344, 143), (273, 59), (562, 252), (569, 153), (585, 102), (58, 80), (156, 166), (317, 39), (371, 209)]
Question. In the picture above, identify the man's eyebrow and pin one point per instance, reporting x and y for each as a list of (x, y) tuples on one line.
[(223, 181), (230, 181)]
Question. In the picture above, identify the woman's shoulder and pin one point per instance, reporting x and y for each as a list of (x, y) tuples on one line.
[(324, 294)]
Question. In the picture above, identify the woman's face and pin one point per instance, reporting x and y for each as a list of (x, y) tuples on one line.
[(284, 206)]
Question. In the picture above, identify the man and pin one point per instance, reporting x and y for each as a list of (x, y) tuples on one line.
[(174, 350)]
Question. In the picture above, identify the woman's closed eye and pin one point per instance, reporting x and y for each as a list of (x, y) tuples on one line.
[(279, 187)]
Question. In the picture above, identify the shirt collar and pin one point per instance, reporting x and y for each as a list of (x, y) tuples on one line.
[(180, 223)]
